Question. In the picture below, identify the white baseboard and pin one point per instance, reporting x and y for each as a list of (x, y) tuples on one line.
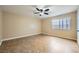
[(58, 36), (45, 33), (20, 36)]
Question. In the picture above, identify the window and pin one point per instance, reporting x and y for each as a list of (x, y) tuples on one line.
[(55, 24), (63, 23)]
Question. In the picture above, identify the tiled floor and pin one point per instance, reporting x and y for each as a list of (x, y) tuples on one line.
[(38, 44)]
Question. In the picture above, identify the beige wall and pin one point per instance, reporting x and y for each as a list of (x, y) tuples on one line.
[(16, 25), (0, 25), (71, 34)]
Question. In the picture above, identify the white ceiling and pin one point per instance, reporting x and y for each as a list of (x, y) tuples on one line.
[(27, 10)]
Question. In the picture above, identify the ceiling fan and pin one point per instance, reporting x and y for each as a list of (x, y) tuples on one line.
[(42, 11)]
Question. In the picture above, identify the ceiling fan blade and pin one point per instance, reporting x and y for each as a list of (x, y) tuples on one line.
[(36, 12), (47, 10), (46, 13), (38, 9)]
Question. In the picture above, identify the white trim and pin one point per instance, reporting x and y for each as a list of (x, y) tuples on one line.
[(19, 37), (45, 33), (59, 37)]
